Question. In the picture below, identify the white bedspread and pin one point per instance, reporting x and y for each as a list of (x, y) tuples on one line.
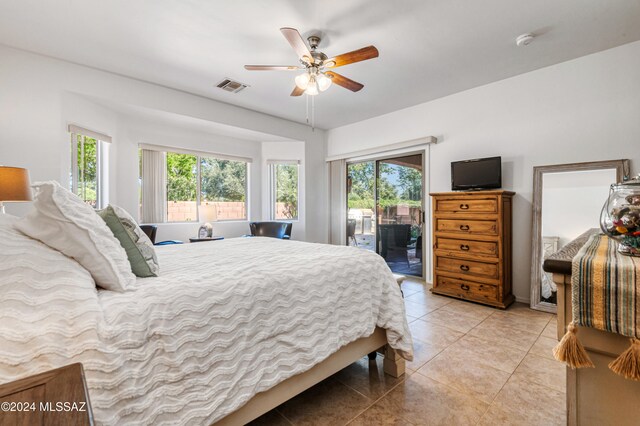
[(224, 321)]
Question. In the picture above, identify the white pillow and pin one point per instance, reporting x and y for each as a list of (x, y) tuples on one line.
[(64, 222)]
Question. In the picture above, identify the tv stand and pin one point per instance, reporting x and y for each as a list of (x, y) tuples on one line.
[(472, 246)]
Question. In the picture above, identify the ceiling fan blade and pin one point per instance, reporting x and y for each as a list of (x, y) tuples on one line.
[(271, 67), (295, 40), (297, 91), (343, 81), (363, 54)]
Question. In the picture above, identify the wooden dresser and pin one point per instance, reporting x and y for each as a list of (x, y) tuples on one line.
[(472, 246)]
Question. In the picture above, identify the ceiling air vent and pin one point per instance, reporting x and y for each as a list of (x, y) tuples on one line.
[(231, 85)]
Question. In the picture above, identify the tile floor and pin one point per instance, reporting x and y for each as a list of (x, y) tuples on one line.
[(473, 365)]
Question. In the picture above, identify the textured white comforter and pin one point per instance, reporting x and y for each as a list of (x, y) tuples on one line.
[(224, 321)]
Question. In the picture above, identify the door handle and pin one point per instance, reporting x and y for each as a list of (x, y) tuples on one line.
[(464, 247), (464, 268), (464, 287), (464, 227), (464, 206)]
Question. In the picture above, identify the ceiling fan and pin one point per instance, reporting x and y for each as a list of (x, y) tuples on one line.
[(317, 76)]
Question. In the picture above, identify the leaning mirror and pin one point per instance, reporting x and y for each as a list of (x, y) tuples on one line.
[(567, 199)]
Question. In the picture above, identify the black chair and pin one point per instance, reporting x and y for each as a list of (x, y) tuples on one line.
[(394, 240), (151, 231), (281, 230)]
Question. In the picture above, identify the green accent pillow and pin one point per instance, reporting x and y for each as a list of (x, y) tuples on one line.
[(139, 248)]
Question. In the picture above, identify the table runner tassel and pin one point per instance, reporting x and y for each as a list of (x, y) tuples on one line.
[(628, 363), (571, 351)]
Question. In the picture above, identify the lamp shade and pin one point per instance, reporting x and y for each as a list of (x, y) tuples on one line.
[(14, 184)]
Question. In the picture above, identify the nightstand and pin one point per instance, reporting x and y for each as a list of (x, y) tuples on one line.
[(55, 397), (199, 240)]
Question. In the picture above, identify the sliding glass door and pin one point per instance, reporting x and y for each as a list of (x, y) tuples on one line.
[(361, 202), (385, 210)]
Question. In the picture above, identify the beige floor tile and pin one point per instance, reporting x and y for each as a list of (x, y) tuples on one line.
[(525, 403), (422, 353), (469, 376), (502, 334), (469, 309), (328, 402), (525, 309), (378, 415), (429, 299), (424, 401), (433, 334), (413, 285), (368, 378), (543, 371), (272, 418), (410, 318), (417, 309), (503, 358), (452, 320), (530, 323), (544, 347), (551, 330)]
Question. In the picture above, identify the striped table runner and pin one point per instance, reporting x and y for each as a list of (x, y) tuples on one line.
[(605, 288), (605, 295)]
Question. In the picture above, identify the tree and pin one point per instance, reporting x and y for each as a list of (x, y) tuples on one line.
[(222, 180), (286, 177), (181, 177), (87, 169)]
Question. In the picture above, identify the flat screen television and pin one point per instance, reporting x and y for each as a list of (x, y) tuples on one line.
[(481, 173)]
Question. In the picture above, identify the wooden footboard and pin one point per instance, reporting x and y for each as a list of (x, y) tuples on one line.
[(266, 401)]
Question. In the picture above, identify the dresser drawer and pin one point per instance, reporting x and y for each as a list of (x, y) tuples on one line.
[(470, 267), (467, 226), (462, 205), (466, 289), (475, 248)]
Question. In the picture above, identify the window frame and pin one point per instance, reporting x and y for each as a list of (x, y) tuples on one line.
[(273, 189), (102, 156)]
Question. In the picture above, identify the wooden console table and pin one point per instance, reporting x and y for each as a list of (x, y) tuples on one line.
[(595, 396)]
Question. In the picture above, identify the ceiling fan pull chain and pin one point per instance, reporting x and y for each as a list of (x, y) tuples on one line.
[(307, 107), (313, 113)]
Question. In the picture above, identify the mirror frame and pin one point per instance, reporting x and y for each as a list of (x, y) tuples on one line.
[(622, 174)]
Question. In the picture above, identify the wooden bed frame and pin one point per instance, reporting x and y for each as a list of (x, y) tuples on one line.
[(263, 402)]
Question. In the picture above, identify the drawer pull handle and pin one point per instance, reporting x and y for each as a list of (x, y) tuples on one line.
[(464, 267), (464, 227), (464, 247), (464, 206), (464, 287)]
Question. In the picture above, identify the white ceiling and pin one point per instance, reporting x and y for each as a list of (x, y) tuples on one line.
[(428, 48)]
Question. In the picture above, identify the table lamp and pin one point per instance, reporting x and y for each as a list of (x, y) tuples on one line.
[(14, 185), (208, 214)]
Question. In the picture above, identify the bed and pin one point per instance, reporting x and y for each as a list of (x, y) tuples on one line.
[(226, 331)]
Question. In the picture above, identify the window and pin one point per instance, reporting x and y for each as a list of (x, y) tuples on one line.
[(182, 187), (197, 187), (284, 190), (224, 184), (89, 154)]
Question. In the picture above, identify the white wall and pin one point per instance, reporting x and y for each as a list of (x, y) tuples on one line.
[(285, 151), (37, 102), (583, 110)]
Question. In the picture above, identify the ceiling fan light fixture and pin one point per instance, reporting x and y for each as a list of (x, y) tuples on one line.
[(323, 82), (312, 87), (302, 80)]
